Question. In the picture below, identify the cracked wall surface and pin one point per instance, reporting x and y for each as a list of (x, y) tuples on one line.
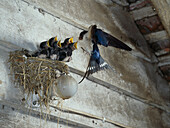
[(28, 22)]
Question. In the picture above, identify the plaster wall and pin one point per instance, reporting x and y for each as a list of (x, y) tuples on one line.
[(27, 23)]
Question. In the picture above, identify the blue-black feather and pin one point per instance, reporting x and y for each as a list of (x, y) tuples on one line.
[(101, 38), (95, 53)]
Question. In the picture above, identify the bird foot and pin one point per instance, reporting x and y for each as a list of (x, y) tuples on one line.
[(86, 51)]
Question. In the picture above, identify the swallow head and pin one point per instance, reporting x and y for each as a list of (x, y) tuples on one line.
[(81, 35), (88, 34)]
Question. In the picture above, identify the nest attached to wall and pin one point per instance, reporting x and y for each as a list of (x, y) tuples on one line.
[(35, 75)]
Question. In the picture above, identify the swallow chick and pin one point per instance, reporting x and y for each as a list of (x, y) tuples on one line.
[(56, 44), (56, 47), (43, 53), (55, 54), (49, 43), (66, 42), (66, 53)]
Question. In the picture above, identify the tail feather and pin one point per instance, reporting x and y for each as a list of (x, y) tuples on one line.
[(93, 67)]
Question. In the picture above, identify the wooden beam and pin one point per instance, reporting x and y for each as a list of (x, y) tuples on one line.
[(164, 60), (120, 2), (165, 57), (163, 63), (163, 10), (156, 36), (161, 52), (143, 12)]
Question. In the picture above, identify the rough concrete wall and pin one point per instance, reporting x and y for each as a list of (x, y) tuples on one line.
[(11, 118), (84, 13), (80, 13), (22, 23), (91, 98)]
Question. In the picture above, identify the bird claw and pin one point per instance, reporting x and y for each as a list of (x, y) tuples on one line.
[(70, 58), (85, 51)]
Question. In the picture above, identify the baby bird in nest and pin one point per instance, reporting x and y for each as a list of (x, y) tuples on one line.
[(52, 42), (56, 50), (66, 42), (66, 52)]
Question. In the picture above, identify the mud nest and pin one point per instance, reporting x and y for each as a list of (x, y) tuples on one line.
[(35, 75)]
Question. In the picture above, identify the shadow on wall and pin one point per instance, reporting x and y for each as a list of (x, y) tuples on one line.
[(8, 91), (29, 45)]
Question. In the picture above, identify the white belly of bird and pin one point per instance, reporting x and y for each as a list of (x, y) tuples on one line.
[(54, 57), (42, 56)]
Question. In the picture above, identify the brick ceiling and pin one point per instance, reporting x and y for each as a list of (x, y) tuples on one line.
[(150, 26)]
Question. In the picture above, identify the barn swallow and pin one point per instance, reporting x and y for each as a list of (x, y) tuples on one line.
[(54, 55), (66, 52), (66, 42), (56, 44), (97, 37), (102, 38), (50, 43), (96, 62), (82, 34), (43, 53)]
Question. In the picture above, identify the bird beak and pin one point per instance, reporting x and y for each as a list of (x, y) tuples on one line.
[(55, 39), (71, 40), (59, 43), (75, 45), (48, 43)]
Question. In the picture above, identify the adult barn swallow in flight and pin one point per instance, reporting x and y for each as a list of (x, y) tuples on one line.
[(96, 36), (102, 38)]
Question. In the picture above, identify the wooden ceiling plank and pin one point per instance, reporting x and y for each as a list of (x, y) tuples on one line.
[(165, 57), (143, 12), (163, 63), (161, 52), (156, 36)]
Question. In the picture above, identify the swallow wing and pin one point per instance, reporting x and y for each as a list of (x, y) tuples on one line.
[(114, 42), (106, 39)]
